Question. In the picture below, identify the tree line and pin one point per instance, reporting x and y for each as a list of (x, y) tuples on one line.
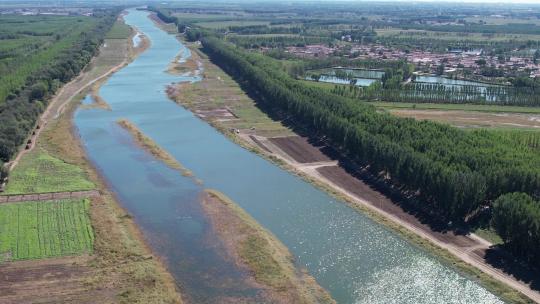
[(418, 92), (24, 104), (516, 218), (455, 173)]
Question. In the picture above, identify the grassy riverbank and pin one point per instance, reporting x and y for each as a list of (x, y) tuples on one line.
[(267, 259)]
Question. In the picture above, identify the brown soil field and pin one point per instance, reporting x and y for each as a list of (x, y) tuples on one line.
[(267, 261), (300, 149), (471, 119), (50, 281), (47, 196), (259, 143)]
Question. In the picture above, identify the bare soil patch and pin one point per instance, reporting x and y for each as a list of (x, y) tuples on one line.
[(301, 150), (222, 113), (474, 119), (50, 281)]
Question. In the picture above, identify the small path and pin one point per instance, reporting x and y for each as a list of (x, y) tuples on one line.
[(15, 198), (60, 104)]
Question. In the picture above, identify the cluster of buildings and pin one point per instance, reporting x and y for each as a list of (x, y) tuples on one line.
[(452, 60), (314, 50), (56, 11)]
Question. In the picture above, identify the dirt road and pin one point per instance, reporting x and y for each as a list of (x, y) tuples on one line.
[(14, 198), (59, 102)]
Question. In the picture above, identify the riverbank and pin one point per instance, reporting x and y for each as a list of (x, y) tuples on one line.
[(218, 100), (121, 269), (253, 248)]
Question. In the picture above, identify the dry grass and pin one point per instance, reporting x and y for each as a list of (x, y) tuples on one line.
[(218, 93), (268, 260), (152, 147), (472, 119)]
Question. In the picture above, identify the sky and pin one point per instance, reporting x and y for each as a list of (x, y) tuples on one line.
[(474, 1)]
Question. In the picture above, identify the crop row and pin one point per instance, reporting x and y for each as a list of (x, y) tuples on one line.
[(33, 230)]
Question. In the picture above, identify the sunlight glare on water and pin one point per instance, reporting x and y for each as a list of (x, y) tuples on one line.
[(420, 282)]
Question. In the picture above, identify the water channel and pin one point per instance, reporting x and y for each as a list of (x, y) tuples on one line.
[(354, 258)]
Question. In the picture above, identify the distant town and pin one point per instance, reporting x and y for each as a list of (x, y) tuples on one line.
[(452, 60)]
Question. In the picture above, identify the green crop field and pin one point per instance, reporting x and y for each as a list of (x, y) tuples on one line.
[(40, 172), (34, 230)]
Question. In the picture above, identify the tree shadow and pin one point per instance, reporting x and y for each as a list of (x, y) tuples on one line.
[(498, 257)]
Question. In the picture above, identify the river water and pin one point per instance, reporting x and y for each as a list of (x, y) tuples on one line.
[(354, 258)]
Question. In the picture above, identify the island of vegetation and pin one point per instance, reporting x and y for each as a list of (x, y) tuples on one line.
[(152, 147), (262, 254)]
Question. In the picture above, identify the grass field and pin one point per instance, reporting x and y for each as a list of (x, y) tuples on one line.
[(120, 30), (464, 107), (33, 230), (501, 21), (320, 84), (40, 172), (424, 34), (225, 24)]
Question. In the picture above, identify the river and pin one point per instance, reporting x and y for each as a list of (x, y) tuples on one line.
[(354, 258)]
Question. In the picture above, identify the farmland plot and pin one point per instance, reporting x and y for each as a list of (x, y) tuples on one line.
[(39, 172), (33, 230)]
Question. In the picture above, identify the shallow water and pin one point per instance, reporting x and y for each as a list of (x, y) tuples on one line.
[(362, 82), (354, 258), (451, 82), (363, 77)]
